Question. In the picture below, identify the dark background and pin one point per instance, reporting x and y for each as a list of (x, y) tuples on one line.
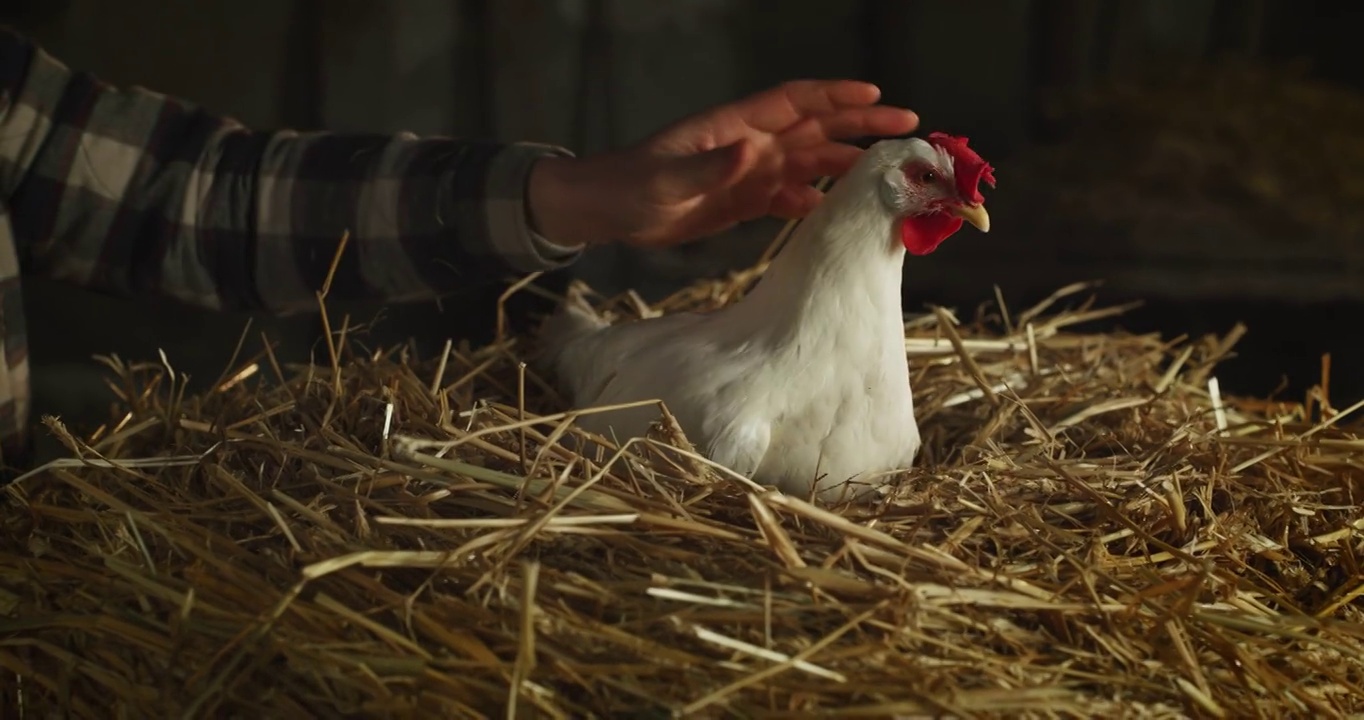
[(1223, 191)]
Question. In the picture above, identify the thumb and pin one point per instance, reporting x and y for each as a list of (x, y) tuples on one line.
[(685, 177)]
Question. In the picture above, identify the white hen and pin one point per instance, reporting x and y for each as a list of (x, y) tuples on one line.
[(803, 383)]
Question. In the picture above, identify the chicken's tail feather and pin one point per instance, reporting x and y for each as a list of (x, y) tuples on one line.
[(575, 318)]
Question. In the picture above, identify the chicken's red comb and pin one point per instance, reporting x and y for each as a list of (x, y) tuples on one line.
[(968, 167)]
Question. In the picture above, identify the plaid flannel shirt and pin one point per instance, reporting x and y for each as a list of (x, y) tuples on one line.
[(131, 192)]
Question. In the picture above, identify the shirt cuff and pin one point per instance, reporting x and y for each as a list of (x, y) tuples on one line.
[(509, 229)]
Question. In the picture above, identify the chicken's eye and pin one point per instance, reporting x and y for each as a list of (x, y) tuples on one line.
[(928, 177)]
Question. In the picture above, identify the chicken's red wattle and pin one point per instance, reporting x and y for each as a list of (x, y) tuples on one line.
[(922, 234)]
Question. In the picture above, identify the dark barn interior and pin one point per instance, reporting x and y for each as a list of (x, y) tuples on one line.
[(1197, 156), (1087, 528)]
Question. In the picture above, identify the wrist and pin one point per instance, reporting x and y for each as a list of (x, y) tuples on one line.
[(568, 202)]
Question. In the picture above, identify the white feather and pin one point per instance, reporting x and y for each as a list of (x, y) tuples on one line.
[(804, 383)]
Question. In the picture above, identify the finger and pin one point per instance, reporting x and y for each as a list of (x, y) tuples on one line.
[(682, 178), (812, 97), (878, 121), (778, 108), (795, 201), (834, 159)]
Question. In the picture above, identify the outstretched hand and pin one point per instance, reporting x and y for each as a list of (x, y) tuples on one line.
[(708, 172)]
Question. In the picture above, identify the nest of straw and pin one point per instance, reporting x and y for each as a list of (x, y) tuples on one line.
[(1093, 531)]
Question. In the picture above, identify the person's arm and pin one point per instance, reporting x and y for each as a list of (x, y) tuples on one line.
[(131, 192)]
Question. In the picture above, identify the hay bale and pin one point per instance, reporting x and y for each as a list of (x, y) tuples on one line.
[(1093, 531)]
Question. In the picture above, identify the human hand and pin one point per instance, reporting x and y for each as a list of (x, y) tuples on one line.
[(708, 172)]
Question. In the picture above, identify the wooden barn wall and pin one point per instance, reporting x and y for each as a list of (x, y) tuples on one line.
[(595, 73)]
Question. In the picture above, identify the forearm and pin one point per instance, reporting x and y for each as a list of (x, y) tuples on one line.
[(130, 192), (424, 217), (573, 203)]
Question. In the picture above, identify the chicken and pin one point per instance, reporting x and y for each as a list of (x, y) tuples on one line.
[(803, 384)]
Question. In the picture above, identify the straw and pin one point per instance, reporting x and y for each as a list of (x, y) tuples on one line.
[(1095, 529)]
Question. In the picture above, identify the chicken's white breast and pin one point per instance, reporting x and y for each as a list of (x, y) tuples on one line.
[(803, 383)]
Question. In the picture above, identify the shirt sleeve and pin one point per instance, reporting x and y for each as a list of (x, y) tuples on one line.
[(131, 192)]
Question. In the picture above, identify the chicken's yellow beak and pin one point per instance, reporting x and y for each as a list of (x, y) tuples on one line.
[(974, 214)]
